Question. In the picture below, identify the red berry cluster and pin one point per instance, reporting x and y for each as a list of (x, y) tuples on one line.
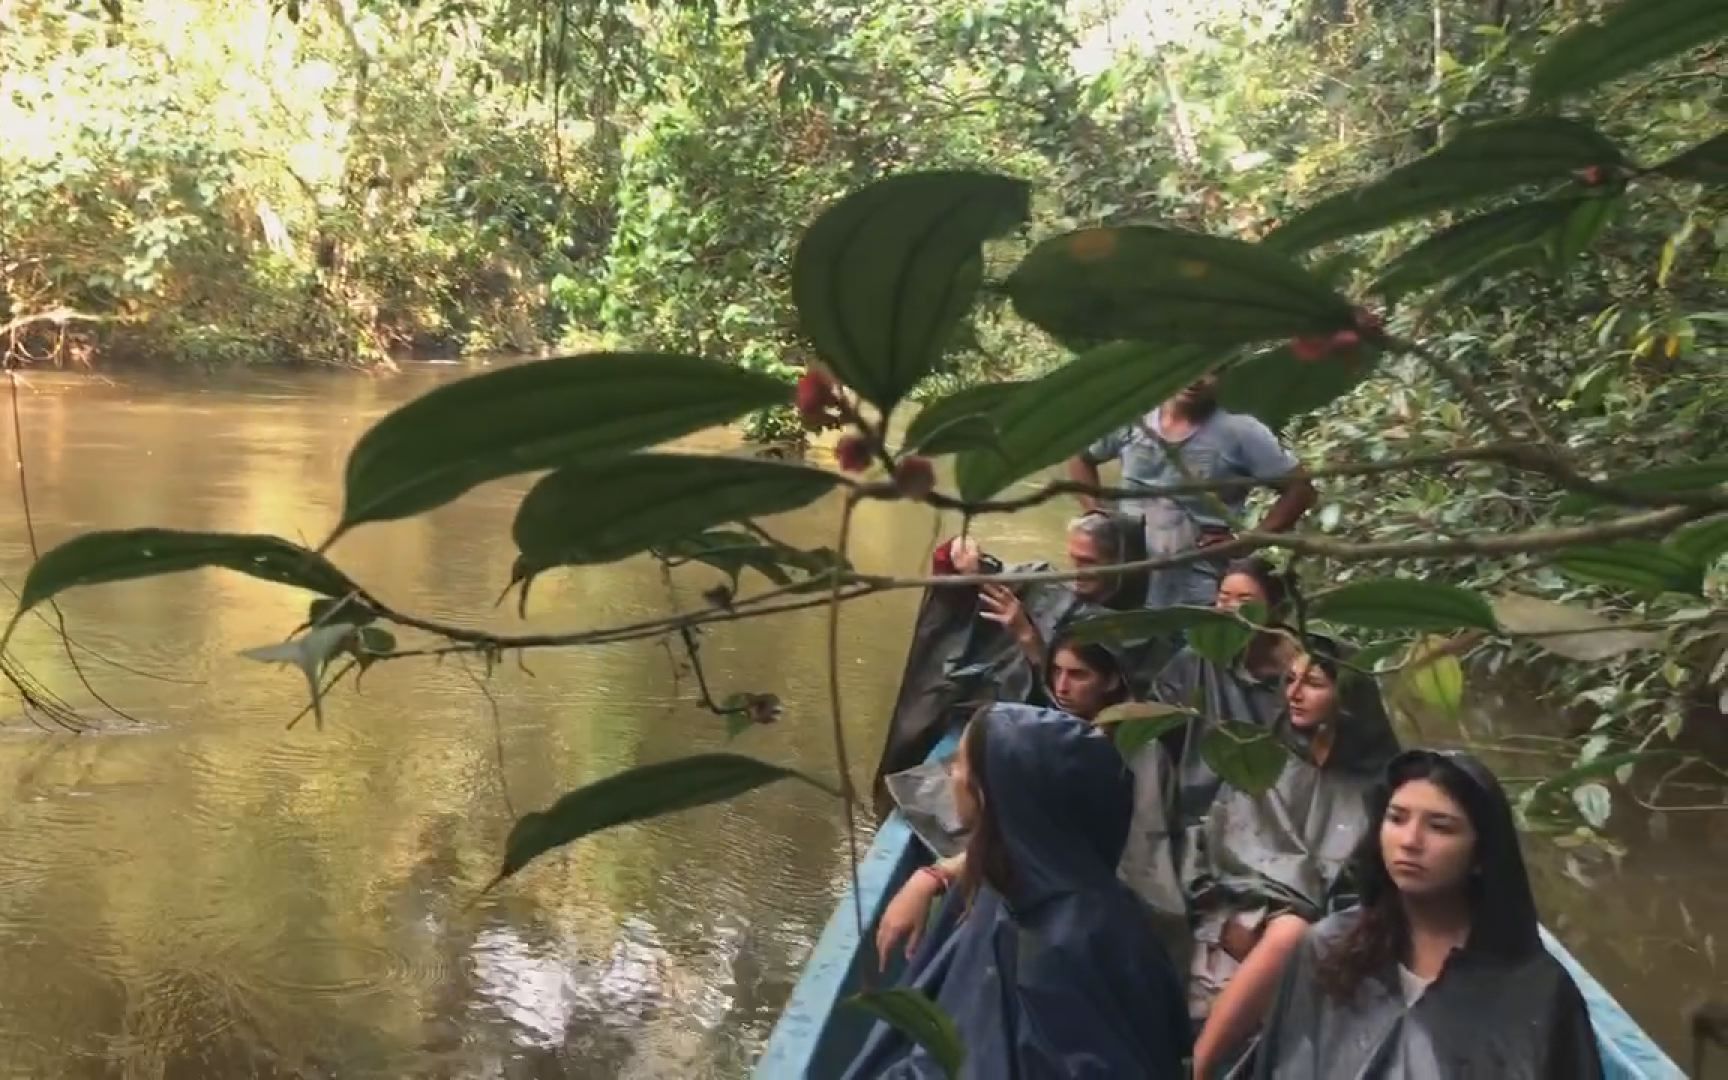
[(820, 408)]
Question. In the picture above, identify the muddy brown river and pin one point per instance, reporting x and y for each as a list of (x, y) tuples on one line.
[(194, 891)]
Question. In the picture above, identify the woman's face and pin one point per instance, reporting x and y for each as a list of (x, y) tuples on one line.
[(1080, 690), (1310, 694), (1426, 840), (966, 802), (1238, 589)]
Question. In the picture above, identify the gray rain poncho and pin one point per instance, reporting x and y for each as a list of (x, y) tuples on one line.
[(1219, 693), (1501, 1007), (1286, 850), (958, 659)]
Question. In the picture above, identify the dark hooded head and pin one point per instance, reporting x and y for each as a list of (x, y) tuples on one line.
[(1084, 679), (1054, 800), (1357, 728), (1098, 538), (1503, 925)]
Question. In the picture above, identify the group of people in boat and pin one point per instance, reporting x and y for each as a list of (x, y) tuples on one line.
[(1086, 914)]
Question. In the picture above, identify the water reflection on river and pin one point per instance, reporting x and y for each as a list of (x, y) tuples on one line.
[(205, 894)]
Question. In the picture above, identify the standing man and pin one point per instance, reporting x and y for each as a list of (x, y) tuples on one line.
[(1189, 439)]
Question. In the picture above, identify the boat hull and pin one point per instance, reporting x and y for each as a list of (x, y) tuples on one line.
[(818, 1035)]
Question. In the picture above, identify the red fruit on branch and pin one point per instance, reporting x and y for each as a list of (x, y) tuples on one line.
[(1591, 175), (1344, 341), (1311, 348), (915, 477), (814, 397), (815, 391), (853, 452)]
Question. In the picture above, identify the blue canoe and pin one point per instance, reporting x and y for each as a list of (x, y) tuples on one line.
[(817, 1038)]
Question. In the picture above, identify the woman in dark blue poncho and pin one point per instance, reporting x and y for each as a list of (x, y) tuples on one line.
[(1055, 972)]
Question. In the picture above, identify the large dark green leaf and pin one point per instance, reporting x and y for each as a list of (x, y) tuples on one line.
[(122, 555), (1403, 604), (1276, 387), (918, 1018), (1682, 477), (1145, 283), (1222, 640), (1634, 35), (959, 421), (1638, 565), (538, 416), (1707, 162), (609, 509), (1136, 723), (1248, 758), (1470, 249), (634, 795), (1702, 542), (884, 277), (1483, 160), (1145, 624), (1056, 416)]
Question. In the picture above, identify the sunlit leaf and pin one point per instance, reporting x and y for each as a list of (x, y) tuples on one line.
[(1402, 604), (918, 1018), (97, 558), (1136, 723), (537, 416), (883, 278), (1433, 678), (960, 421), (1566, 630), (1164, 286), (646, 791), (1276, 387), (1484, 160), (1594, 804), (1631, 36), (1054, 417), (1707, 162), (1639, 565), (309, 652), (1248, 758), (610, 509)]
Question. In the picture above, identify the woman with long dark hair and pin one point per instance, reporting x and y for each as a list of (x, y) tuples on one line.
[(1440, 972), (1054, 972)]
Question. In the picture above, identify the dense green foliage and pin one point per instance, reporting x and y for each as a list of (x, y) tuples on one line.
[(1359, 215)]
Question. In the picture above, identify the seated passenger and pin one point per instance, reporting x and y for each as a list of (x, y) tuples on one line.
[(1249, 691), (1083, 680), (1053, 972), (976, 645), (1262, 867), (1440, 972)]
